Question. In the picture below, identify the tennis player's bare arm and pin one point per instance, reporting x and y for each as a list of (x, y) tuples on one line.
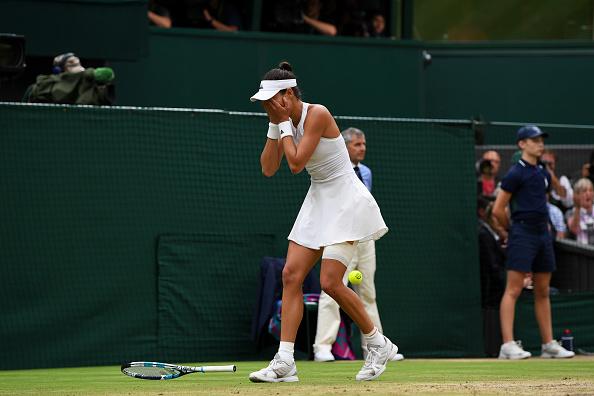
[(499, 211), (271, 157), (272, 154), (319, 123)]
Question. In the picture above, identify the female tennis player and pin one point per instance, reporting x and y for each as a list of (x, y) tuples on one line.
[(337, 213)]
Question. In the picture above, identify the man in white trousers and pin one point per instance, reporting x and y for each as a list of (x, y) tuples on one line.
[(363, 260)]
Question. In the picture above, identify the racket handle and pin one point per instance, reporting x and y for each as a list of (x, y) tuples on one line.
[(214, 369)]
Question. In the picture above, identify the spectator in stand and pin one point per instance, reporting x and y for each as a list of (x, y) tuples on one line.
[(580, 219), (563, 196), (378, 25), (557, 224), (352, 19), (222, 15), (158, 14), (488, 170), (305, 17), (495, 159), (588, 169), (312, 15), (491, 255)]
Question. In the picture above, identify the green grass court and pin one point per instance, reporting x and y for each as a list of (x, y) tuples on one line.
[(412, 376)]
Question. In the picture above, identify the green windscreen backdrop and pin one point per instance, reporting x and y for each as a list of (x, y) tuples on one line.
[(132, 233)]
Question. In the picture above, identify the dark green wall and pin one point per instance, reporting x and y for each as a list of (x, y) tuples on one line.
[(204, 69), (95, 29), (513, 82), (522, 82), (138, 234)]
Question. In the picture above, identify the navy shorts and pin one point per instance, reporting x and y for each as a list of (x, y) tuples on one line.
[(530, 249)]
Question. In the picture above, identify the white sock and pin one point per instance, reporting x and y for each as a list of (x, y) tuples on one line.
[(286, 350), (375, 337)]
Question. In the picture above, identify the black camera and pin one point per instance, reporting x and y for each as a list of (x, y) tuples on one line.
[(546, 164), (12, 55), (485, 166)]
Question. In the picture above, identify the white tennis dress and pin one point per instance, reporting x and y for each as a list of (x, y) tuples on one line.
[(338, 207)]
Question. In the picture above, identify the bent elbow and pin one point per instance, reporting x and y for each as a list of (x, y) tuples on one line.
[(295, 169), (268, 172)]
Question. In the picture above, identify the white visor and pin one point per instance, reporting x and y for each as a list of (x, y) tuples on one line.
[(269, 88)]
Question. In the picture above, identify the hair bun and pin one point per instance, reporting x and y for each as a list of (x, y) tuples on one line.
[(284, 65)]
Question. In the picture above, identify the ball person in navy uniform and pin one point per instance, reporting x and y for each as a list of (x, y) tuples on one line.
[(530, 247)]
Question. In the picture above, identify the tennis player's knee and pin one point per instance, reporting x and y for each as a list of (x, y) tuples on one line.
[(292, 276), (331, 285)]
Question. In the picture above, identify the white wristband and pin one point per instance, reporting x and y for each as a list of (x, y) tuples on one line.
[(285, 129), (273, 131)]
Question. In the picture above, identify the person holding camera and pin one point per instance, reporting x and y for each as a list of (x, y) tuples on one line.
[(71, 83), (300, 16), (562, 193), (488, 168)]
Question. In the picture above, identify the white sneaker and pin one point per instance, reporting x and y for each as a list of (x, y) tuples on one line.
[(554, 350), (513, 350), (398, 357), (324, 356), (278, 370), (377, 358)]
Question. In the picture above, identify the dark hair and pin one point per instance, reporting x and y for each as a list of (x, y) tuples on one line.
[(284, 71)]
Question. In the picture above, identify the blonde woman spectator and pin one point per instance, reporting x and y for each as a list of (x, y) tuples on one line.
[(580, 219)]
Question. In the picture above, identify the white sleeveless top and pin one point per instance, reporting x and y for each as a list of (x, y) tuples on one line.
[(338, 207)]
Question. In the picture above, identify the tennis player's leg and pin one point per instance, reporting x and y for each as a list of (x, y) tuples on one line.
[(364, 261), (300, 260), (328, 322), (380, 349)]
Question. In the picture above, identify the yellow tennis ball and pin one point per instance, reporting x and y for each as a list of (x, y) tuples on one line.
[(355, 277)]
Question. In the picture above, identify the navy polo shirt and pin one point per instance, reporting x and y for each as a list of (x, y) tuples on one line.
[(528, 185)]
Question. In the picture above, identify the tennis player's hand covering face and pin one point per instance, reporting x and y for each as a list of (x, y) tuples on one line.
[(277, 108)]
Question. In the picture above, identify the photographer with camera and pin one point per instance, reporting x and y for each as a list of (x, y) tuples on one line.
[(562, 193), (71, 83), (488, 168)]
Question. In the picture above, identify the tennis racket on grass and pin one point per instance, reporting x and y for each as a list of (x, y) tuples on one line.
[(165, 371)]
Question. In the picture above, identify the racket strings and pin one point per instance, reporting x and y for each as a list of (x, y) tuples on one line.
[(151, 372)]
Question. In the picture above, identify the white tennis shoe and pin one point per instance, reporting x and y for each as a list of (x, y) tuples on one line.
[(513, 350), (554, 350), (398, 357), (377, 358), (279, 370)]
